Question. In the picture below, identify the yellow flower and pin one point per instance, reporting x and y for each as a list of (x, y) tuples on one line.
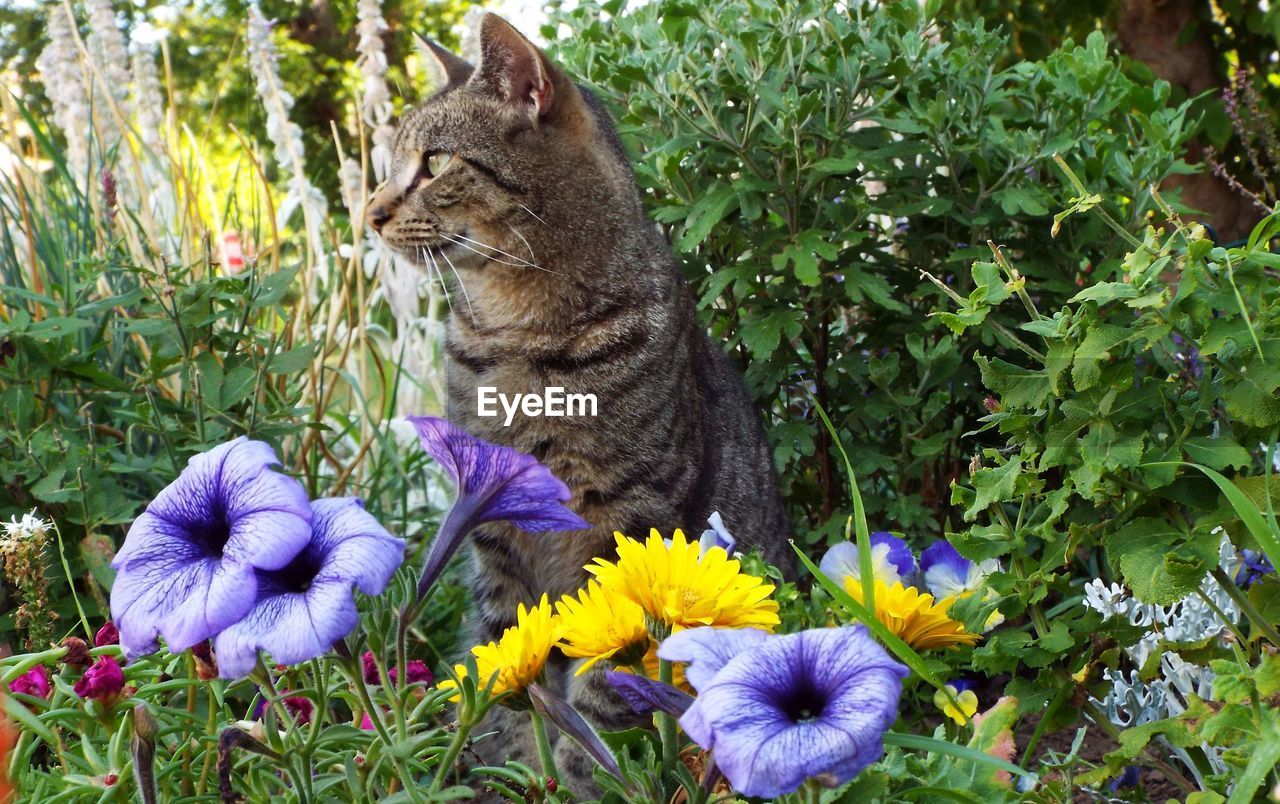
[(914, 616), (601, 624), (515, 661), (678, 586), (967, 702)]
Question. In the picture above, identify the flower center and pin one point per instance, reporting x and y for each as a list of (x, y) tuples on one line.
[(213, 533), (296, 576), (802, 703)]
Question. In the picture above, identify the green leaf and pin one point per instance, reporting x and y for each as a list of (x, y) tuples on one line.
[(916, 742), (993, 485), (708, 212), (1217, 453), (1105, 292), (1264, 531), (1018, 387), (1156, 562), (1095, 348), (1262, 762)]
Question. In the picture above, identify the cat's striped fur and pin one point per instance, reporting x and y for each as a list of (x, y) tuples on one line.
[(562, 280)]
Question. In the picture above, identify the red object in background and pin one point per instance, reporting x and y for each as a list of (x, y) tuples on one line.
[(8, 738), (231, 252)]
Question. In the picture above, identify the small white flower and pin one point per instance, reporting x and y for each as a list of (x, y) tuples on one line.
[(29, 527)]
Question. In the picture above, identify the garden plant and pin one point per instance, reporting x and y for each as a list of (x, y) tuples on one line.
[(1024, 406)]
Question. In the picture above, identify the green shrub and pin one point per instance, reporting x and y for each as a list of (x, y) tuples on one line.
[(810, 162), (1137, 395)]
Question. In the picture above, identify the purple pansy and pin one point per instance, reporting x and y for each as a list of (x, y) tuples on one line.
[(783, 709), (34, 682), (717, 535), (891, 560), (306, 606), (493, 483), (103, 681), (187, 567), (1252, 567), (949, 574)]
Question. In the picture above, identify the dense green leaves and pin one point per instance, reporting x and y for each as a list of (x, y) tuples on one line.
[(805, 217)]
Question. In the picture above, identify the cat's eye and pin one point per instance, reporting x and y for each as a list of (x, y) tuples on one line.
[(436, 163)]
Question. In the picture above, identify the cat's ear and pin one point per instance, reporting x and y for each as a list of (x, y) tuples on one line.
[(447, 70), (513, 69)]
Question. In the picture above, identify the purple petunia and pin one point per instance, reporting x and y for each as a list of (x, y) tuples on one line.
[(777, 710), (891, 560), (493, 483), (304, 607), (188, 566)]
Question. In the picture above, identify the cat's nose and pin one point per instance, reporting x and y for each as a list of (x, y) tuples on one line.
[(378, 217)]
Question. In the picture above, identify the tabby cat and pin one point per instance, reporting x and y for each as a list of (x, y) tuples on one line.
[(513, 180)]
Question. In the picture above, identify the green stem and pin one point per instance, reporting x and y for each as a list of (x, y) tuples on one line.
[(450, 756), (1246, 605), (352, 671), (545, 755), (667, 723)]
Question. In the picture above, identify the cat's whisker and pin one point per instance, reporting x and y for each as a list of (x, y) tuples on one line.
[(521, 261), (532, 256), (508, 255), (461, 284), (444, 286), (534, 214), (487, 256)]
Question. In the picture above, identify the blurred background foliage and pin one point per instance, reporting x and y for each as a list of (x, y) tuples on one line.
[(205, 45)]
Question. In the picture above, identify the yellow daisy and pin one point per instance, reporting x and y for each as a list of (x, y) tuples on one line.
[(601, 624), (679, 586), (915, 616), (515, 661)]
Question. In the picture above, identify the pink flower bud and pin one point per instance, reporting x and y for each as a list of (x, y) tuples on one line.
[(103, 681), (107, 635), (34, 682)]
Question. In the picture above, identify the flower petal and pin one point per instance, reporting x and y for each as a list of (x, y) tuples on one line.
[(494, 483), (353, 545), (946, 572), (646, 696), (891, 560), (717, 535), (707, 650), (291, 626), (796, 706), (182, 594)]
